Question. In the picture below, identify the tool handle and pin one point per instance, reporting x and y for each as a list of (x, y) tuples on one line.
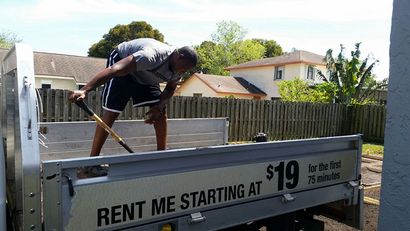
[(85, 107), (101, 123), (122, 143)]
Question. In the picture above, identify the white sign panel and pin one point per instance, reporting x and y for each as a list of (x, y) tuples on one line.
[(101, 206)]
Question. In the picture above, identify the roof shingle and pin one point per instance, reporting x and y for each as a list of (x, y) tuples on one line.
[(81, 68), (229, 84)]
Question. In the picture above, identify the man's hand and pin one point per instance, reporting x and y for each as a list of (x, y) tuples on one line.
[(77, 95), (155, 113)]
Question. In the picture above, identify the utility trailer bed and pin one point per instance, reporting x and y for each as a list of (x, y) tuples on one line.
[(205, 188)]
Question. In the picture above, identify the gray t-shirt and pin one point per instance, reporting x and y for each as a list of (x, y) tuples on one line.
[(152, 58)]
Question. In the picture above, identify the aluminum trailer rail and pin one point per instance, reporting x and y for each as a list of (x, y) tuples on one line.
[(209, 188), (3, 196)]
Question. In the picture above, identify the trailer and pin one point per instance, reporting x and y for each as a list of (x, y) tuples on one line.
[(200, 184)]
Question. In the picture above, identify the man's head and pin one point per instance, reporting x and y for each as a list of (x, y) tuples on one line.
[(183, 59)]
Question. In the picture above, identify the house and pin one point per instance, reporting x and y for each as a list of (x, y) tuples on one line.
[(219, 86), (62, 71), (266, 73)]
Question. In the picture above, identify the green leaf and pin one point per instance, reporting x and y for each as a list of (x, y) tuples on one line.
[(122, 33), (348, 75)]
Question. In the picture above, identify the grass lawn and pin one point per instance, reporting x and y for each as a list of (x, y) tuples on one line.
[(375, 149)]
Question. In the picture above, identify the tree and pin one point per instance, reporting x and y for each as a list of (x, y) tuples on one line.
[(121, 33), (246, 50), (227, 48), (272, 47), (8, 39), (206, 53), (350, 76), (298, 90), (228, 33)]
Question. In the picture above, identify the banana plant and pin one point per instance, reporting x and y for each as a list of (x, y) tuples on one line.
[(349, 76)]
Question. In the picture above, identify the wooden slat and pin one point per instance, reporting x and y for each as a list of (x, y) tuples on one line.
[(279, 121), (240, 119), (275, 118), (286, 122), (236, 119), (270, 120), (48, 105), (252, 113), (303, 121), (266, 117)]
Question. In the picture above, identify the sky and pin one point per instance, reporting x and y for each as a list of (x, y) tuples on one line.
[(72, 26)]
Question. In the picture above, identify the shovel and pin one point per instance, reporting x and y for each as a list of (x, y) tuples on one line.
[(101, 123)]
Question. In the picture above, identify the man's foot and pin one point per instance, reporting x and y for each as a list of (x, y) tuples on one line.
[(91, 171)]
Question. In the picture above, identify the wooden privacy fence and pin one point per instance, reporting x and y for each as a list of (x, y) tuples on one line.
[(279, 120), (368, 120)]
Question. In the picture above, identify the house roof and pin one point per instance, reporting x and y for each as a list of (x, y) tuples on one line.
[(81, 68), (289, 58), (229, 84)]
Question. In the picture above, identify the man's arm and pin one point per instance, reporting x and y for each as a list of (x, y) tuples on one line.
[(121, 68), (167, 93), (159, 109)]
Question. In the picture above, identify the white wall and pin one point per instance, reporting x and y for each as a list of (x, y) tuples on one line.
[(293, 71), (395, 202), (262, 77), (195, 85), (56, 82)]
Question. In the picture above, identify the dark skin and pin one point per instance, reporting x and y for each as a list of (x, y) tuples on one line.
[(156, 115)]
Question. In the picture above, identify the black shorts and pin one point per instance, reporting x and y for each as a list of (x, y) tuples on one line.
[(119, 90)]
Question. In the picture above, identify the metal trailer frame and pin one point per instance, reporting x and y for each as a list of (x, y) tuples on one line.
[(3, 196), (19, 130)]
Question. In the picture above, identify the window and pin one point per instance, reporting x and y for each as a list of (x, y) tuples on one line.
[(80, 86), (46, 86), (310, 72), (197, 94), (279, 72)]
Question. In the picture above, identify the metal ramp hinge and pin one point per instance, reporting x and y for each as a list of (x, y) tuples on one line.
[(353, 184), (353, 197), (195, 218), (286, 198)]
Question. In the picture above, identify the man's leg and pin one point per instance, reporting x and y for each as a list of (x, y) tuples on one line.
[(161, 131), (100, 134)]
